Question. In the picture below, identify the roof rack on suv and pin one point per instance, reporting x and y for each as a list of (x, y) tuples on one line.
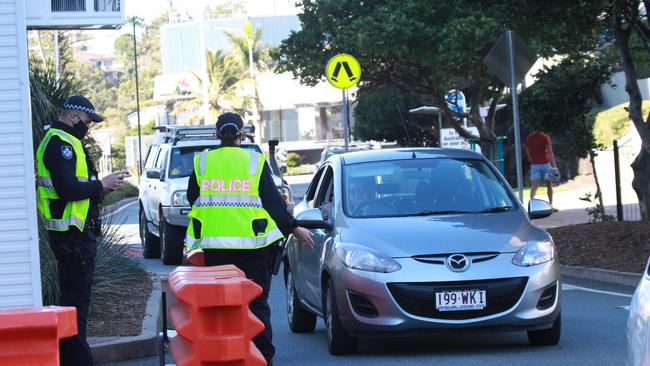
[(173, 134)]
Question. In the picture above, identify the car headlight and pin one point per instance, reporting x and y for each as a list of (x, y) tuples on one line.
[(365, 259), (534, 252), (180, 198)]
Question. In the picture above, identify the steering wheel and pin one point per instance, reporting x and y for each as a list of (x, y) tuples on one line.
[(365, 206)]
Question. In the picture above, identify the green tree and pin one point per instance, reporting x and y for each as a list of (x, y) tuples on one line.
[(260, 54), (560, 103), (631, 26), (424, 48), (226, 76)]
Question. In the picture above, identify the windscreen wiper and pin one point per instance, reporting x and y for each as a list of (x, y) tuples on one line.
[(495, 209), (441, 212)]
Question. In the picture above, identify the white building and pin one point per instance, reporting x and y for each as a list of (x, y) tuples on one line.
[(292, 112), (20, 281)]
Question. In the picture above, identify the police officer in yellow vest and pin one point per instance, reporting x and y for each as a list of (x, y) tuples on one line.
[(68, 195), (237, 215)]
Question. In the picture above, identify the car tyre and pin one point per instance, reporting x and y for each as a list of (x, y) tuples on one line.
[(546, 337), (150, 242), (339, 342), (300, 320), (171, 242)]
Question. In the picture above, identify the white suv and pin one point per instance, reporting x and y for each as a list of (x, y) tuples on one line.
[(163, 187)]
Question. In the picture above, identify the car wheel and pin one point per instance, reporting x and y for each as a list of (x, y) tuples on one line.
[(150, 242), (171, 242), (339, 342), (300, 320), (546, 337)]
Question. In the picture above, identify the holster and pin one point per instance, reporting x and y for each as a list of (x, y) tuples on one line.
[(277, 251)]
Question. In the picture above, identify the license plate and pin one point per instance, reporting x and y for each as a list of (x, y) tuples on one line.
[(458, 300)]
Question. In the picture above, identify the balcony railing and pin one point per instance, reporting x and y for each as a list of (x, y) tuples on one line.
[(80, 5)]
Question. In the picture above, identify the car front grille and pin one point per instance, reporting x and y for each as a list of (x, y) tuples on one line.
[(417, 298)]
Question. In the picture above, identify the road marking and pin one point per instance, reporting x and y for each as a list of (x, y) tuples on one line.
[(567, 287), (119, 210)]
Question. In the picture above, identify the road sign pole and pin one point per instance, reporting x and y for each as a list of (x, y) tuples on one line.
[(344, 112), (515, 116)]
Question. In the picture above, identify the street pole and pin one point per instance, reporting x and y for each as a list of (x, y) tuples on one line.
[(251, 70), (344, 111), (515, 116), (56, 56), (204, 71), (137, 97)]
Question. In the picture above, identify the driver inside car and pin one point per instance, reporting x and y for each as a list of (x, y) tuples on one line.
[(358, 192)]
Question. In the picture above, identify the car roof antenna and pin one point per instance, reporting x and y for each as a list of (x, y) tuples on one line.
[(406, 131)]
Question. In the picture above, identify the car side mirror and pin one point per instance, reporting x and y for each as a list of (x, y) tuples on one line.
[(313, 219), (154, 173), (539, 209)]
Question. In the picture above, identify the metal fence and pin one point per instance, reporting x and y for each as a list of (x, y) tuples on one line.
[(80, 5), (605, 166), (68, 5)]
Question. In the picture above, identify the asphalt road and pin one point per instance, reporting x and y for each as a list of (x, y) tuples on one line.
[(594, 320)]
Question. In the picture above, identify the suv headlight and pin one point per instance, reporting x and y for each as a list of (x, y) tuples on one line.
[(366, 259), (534, 252), (180, 198)]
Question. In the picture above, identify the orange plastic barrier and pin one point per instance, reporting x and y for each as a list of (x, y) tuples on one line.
[(31, 336), (194, 257), (212, 319)]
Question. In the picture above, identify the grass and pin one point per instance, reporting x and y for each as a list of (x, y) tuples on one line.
[(611, 124), (126, 191)]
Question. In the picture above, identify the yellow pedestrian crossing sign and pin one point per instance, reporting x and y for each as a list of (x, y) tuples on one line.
[(343, 71)]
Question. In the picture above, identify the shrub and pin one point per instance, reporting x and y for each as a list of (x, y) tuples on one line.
[(114, 271), (293, 160)]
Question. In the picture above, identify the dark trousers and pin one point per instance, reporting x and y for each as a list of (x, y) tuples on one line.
[(256, 264), (75, 255)]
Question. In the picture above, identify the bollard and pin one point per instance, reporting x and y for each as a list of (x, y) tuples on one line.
[(213, 322), (31, 336)]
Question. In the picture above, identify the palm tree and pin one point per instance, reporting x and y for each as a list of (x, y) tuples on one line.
[(226, 77), (261, 61)]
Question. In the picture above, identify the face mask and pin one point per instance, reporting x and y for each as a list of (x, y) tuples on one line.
[(81, 128)]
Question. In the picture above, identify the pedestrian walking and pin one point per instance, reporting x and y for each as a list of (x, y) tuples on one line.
[(238, 216), (543, 167), (69, 193)]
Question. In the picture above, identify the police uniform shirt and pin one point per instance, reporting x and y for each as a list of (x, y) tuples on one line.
[(60, 160), (271, 200)]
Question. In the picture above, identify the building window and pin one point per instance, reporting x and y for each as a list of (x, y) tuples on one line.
[(68, 5), (107, 5)]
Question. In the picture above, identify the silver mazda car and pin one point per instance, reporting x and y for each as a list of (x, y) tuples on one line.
[(415, 241)]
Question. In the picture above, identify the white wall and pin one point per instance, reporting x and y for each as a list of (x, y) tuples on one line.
[(615, 94), (20, 281)]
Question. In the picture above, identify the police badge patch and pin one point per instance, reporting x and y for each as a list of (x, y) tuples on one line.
[(66, 151)]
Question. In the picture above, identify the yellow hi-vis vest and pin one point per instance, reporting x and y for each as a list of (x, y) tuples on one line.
[(75, 212), (229, 202)]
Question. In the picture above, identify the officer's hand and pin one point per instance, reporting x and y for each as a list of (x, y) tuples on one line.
[(113, 181), (304, 236)]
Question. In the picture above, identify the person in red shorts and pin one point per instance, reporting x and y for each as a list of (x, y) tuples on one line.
[(539, 149)]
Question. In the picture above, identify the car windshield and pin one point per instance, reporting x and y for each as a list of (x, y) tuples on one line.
[(182, 161), (423, 187)]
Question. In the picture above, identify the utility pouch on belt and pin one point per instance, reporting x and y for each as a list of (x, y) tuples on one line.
[(277, 254)]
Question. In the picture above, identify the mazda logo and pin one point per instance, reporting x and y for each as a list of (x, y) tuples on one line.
[(458, 262)]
